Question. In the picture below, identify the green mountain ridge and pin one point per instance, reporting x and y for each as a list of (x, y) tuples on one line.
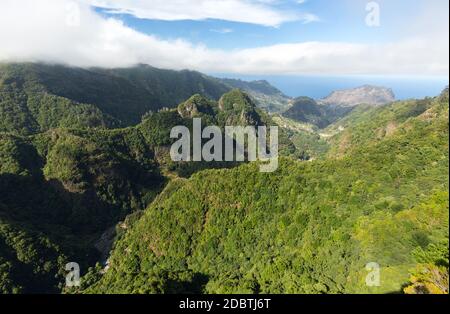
[(324, 112), (265, 95), (85, 176), (63, 189), (307, 228), (37, 97)]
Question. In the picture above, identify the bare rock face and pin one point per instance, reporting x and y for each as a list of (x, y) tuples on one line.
[(367, 94)]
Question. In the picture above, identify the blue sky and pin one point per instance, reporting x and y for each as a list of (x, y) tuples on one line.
[(334, 21), (240, 38), (338, 20)]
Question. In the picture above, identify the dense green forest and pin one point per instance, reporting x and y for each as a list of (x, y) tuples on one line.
[(265, 95), (63, 188), (307, 228), (86, 177), (37, 97), (306, 110)]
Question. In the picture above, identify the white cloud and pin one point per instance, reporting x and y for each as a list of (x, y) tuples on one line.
[(248, 11), (49, 31)]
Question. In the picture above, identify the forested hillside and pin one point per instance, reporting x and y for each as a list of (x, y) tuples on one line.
[(86, 177), (64, 190), (310, 227), (338, 104), (366, 124), (306, 110), (266, 96), (37, 97)]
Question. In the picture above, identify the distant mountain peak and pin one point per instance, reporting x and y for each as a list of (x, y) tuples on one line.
[(366, 94)]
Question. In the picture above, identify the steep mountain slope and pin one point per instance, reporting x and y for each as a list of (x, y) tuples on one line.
[(72, 181), (306, 110), (60, 190), (304, 121), (26, 105), (312, 123), (366, 124), (169, 87), (307, 228), (307, 140), (37, 97), (265, 95), (64, 190), (338, 104), (56, 93)]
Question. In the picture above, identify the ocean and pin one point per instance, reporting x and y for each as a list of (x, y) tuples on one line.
[(321, 86)]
